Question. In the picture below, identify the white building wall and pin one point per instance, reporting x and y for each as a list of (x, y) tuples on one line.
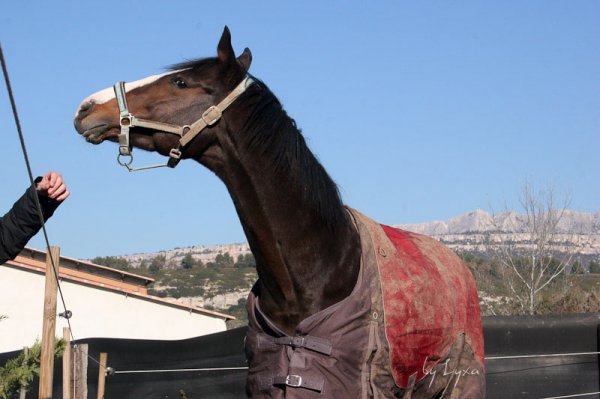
[(97, 313)]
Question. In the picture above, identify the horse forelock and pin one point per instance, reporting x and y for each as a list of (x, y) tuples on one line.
[(194, 64)]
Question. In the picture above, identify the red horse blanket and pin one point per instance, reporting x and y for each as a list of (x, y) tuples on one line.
[(410, 328)]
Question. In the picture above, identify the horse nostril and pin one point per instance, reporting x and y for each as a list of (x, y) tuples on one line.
[(85, 109)]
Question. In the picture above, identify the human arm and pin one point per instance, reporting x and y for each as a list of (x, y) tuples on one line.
[(22, 221)]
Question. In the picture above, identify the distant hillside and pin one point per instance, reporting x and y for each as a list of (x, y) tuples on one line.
[(578, 232), (465, 233), (200, 252), (478, 221)]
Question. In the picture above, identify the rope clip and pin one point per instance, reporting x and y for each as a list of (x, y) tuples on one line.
[(67, 314)]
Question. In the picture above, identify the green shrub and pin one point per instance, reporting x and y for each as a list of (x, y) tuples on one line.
[(20, 371)]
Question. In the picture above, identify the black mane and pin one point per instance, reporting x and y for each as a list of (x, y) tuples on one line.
[(272, 134)]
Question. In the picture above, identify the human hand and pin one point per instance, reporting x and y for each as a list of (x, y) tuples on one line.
[(53, 187)]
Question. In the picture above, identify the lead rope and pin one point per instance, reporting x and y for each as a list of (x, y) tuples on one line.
[(67, 313)]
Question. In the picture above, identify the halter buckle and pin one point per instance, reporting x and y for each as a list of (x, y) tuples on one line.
[(126, 121), (212, 115)]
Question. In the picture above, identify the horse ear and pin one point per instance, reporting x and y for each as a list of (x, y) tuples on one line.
[(245, 59), (224, 50)]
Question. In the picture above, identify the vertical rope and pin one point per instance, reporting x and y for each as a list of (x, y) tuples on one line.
[(32, 182), (37, 201)]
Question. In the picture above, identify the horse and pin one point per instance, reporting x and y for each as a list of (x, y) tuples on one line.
[(344, 307)]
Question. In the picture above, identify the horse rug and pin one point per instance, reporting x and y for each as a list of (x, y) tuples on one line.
[(411, 328)]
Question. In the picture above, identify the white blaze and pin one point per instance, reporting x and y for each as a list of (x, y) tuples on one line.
[(108, 94)]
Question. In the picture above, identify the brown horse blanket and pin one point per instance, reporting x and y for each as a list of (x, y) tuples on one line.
[(410, 328)]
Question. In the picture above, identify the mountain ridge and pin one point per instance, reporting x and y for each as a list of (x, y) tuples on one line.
[(464, 232), (480, 221)]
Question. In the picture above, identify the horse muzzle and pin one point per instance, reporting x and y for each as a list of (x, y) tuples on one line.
[(92, 124)]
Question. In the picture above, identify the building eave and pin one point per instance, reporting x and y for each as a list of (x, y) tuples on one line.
[(71, 270)]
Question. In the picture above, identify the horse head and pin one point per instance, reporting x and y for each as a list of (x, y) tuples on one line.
[(171, 102)]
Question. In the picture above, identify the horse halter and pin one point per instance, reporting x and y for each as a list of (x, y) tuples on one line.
[(186, 133)]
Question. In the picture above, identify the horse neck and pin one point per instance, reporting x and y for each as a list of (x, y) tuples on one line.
[(305, 245)]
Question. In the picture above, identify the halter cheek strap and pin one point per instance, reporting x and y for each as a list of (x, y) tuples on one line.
[(186, 133)]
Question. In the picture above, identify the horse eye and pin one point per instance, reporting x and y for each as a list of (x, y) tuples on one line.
[(180, 83)]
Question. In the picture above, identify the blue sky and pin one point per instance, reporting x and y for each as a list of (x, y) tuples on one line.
[(419, 110)]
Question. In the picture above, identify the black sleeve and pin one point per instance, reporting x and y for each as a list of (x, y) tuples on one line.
[(22, 222)]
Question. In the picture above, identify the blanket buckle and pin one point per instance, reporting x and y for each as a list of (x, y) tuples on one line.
[(293, 380)]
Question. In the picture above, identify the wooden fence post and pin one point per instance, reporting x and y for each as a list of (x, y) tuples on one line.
[(23, 392), (102, 375), (49, 325), (67, 364), (80, 358)]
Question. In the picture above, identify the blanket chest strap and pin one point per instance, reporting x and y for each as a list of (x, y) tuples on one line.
[(313, 383), (316, 344)]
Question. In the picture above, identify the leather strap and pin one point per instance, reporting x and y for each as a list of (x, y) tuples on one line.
[(121, 99), (320, 345), (214, 113), (267, 381), (160, 126)]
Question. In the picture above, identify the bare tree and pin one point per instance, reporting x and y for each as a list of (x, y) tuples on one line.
[(533, 253)]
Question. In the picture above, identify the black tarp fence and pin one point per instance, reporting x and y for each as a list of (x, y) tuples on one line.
[(156, 369), (542, 376)]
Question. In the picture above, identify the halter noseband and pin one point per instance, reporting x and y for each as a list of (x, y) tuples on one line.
[(186, 133)]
